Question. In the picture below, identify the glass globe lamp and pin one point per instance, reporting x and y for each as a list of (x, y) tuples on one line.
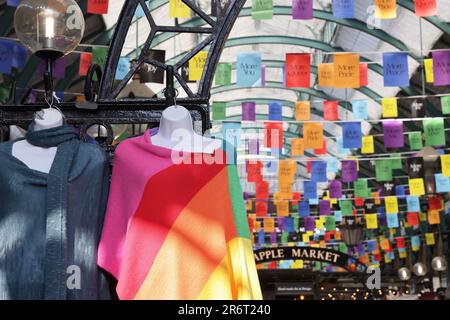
[(420, 269), (404, 274), (49, 28), (439, 264)]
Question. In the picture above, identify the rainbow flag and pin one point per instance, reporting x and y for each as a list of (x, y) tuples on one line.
[(176, 231)]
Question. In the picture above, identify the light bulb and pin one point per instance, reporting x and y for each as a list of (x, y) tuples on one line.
[(49, 27)]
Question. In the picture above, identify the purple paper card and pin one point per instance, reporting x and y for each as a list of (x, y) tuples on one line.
[(335, 188), (302, 9), (263, 75), (441, 67), (310, 223), (248, 111), (273, 237), (59, 68), (393, 134), (324, 207), (349, 170), (281, 223), (253, 146)]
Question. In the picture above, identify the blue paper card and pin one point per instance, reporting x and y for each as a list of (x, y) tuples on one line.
[(400, 190), (413, 203), (338, 215), (122, 68), (371, 246), (359, 108), (332, 165), (344, 9), (6, 55), (20, 56), (248, 67), (309, 190), (351, 134), (12, 3), (442, 182), (340, 147), (275, 111), (319, 171), (314, 202), (261, 237), (395, 69), (288, 224), (415, 241), (303, 208), (392, 220)]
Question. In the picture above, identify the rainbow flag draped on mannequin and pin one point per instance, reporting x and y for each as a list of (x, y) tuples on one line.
[(176, 231)]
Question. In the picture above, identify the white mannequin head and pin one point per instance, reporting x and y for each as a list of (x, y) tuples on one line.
[(51, 118)]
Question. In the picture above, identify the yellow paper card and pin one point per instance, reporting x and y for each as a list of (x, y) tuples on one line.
[(305, 237), (337, 236), (367, 145), (249, 205), (422, 216), (177, 9), (385, 9), (384, 244), (257, 226), (391, 204), (429, 73), (389, 107), (346, 70), (196, 65), (269, 225), (302, 110), (372, 221), (445, 164), (298, 264), (319, 224), (313, 135), (402, 254), (429, 239), (434, 217), (376, 197), (297, 147), (416, 187), (325, 71), (283, 208)]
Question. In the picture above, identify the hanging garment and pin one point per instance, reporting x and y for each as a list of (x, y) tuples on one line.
[(176, 231), (50, 223)]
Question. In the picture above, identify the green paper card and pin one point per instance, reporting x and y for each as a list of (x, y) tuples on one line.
[(342, 247), (383, 170), (346, 207), (330, 223), (223, 74), (361, 188), (396, 163), (285, 237), (295, 224), (99, 55), (445, 104), (262, 9), (219, 110), (434, 131), (415, 140)]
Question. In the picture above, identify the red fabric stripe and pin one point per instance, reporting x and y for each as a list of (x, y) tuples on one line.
[(165, 196)]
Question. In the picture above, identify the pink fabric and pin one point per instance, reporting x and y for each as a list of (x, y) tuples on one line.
[(122, 206)]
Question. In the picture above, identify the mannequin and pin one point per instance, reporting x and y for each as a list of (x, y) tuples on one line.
[(176, 132), (37, 158)]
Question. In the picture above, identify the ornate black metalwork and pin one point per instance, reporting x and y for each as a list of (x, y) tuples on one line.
[(102, 107)]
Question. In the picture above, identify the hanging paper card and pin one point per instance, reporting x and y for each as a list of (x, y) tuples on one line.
[(425, 8), (85, 63), (367, 145), (349, 170), (122, 68), (363, 74), (59, 68), (337, 217), (435, 203), (99, 55), (218, 110), (434, 131), (415, 243), (248, 73), (324, 207), (313, 135), (275, 111), (178, 9), (445, 164), (340, 147), (445, 104), (385, 244), (333, 165), (273, 135), (298, 70), (442, 183), (412, 219), (391, 204), (20, 56), (429, 76), (261, 208), (302, 110), (297, 147), (231, 132), (422, 217), (335, 188), (361, 188), (344, 9), (302, 9), (393, 134), (385, 9), (262, 9), (413, 203), (359, 108), (330, 223), (346, 70), (310, 224), (429, 239), (395, 66), (325, 74), (330, 110), (269, 225), (441, 67), (262, 190), (389, 107), (346, 207), (392, 220), (310, 190), (97, 6), (322, 150), (196, 65), (433, 217), (416, 187), (287, 170), (12, 3), (371, 221), (415, 140), (319, 171), (263, 75), (248, 111), (303, 209), (369, 206), (253, 146), (223, 74), (283, 208), (351, 134)]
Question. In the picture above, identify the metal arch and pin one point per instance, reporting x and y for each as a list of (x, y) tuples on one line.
[(218, 34), (434, 20)]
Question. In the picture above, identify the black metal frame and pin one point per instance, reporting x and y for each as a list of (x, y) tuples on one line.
[(102, 107)]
